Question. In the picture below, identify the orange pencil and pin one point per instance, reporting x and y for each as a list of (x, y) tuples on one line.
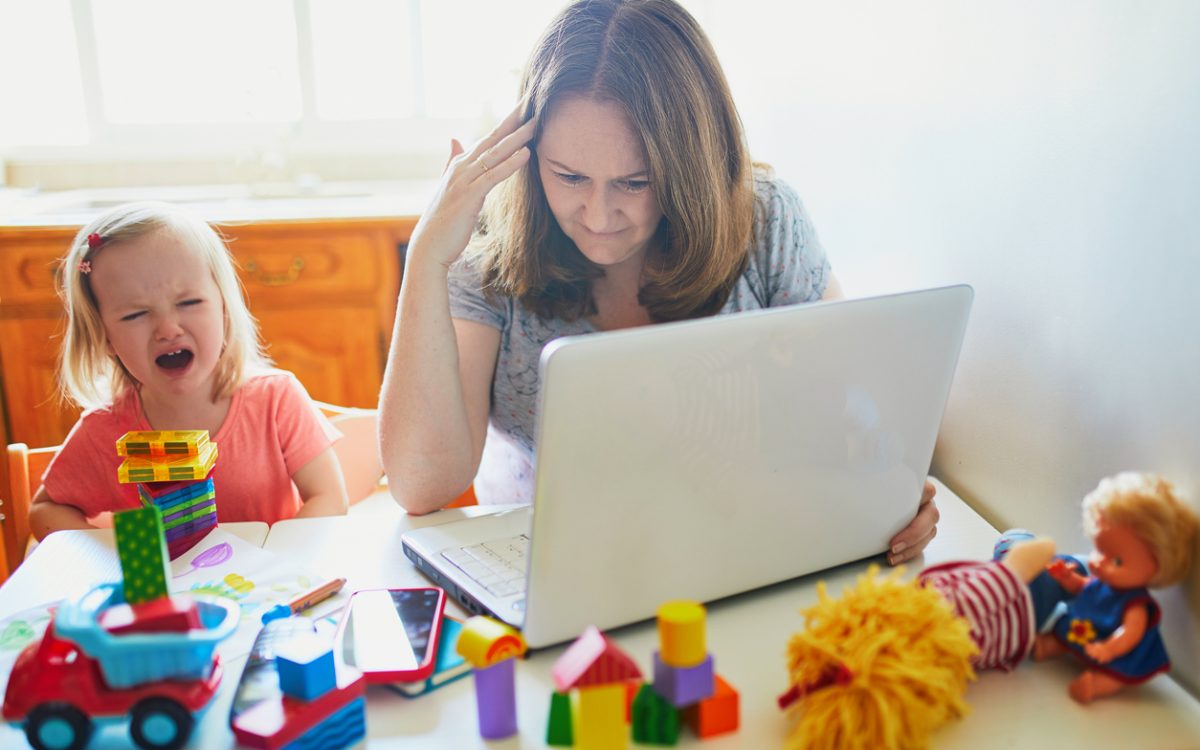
[(307, 600)]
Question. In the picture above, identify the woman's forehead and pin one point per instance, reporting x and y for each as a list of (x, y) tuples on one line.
[(583, 133)]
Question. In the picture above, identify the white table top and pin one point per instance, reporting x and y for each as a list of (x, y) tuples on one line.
[(747, 635)]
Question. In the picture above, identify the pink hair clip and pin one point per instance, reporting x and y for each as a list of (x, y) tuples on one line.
[(94, 241), (85, 266)]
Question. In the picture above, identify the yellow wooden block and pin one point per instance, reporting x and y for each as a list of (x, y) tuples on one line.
[(598, 717), (484, 642), (681, 633)]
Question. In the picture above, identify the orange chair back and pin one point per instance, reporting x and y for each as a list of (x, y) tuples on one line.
[(24, 467)]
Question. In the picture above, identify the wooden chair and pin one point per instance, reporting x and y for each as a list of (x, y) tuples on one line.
[(23, 476), (358, 453), (358, 450)]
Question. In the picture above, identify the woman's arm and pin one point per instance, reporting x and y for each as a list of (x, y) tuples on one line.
[(434, 403), (47, 516), (833, 289), (322, 487)]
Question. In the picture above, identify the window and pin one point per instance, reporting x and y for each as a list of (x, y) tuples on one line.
[(269, 81)]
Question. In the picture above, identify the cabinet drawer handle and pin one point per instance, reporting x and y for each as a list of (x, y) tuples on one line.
[(276, 279)]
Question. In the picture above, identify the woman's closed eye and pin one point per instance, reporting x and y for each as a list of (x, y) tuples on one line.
[(571, 179), (635, 186)]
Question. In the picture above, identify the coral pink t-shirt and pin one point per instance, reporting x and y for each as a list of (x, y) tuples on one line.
[(271, 431)]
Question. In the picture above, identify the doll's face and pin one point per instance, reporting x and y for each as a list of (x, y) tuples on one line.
[(1121, 559)]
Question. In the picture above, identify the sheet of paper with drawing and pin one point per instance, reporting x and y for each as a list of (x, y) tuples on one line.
[(228, 566)]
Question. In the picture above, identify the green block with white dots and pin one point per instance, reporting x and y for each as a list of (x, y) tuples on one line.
[(142, 549)]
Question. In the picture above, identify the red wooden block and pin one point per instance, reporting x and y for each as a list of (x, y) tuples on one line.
[(170, 614), (631, 690), (592, 660), (278, 721), (716, 714)]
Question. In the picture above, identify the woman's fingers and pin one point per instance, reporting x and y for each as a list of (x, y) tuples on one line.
[(456, 148), (503, 150), (506, 127), (910, 551), (494, 175)]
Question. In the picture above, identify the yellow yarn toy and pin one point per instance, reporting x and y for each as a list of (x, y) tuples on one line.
[(882, 667)]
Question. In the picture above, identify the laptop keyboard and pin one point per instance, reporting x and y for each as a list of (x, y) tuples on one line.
[(498, 566)]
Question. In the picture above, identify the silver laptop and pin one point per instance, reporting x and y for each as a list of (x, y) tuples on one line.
[(701, 459)]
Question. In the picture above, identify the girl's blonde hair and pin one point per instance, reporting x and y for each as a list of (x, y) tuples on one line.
[(91, 377), (1147, 505), (652, 59)]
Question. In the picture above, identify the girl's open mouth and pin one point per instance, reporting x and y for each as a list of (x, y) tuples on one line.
[(174, 360)]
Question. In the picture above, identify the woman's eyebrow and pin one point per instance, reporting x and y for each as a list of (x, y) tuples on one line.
[(565, 168)]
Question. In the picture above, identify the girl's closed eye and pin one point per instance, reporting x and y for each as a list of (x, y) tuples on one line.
[(133, 315), (191, 302)]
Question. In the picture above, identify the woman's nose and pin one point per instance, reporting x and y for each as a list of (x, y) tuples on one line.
[(598, 211)]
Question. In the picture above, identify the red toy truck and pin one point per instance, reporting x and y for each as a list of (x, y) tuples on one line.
[(79, 674)]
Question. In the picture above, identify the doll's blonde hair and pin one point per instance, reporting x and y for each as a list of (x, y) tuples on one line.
[(1148, 506), (905, 660), (91, 377)]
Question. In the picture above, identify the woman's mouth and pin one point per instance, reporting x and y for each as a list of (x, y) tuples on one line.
[(175, 360)]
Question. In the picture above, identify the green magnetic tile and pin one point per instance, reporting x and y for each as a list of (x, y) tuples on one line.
[(142, 550)]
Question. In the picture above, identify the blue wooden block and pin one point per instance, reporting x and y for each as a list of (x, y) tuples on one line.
[(683, 686), (305, 666)]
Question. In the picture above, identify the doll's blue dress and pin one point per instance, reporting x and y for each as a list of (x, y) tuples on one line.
[(1096, 613)]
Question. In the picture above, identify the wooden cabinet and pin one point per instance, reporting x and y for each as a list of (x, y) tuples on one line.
[(324, 293)]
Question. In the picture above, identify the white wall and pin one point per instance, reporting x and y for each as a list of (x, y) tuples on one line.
[(1049, 155)]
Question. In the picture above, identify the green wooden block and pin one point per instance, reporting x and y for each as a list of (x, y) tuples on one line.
[(655, 720), (558, 728), (142, 549)]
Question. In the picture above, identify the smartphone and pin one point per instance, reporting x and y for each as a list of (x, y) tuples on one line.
[(391, 635)]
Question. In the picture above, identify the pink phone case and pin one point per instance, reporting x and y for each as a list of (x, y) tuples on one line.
[(425, 668)]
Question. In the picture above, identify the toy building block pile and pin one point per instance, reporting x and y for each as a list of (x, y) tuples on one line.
[(171, 470), (595, 682), (684, 679), (491, 648), (589, 706), (125, 650), (322, 706)]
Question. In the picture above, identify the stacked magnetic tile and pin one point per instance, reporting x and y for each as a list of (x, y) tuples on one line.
[(596, 673), (171, 469), (684, 679), (491, 648), (189, 511), (322, 706)]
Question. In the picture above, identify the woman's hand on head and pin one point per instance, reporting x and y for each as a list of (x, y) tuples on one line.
[(920, 531), (446, 225)]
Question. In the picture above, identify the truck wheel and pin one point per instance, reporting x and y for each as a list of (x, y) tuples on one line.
[(58, 726), (160, 724)]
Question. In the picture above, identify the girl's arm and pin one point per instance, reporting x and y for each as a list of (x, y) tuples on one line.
[(321, 486), (47, 516), (1123, 639)]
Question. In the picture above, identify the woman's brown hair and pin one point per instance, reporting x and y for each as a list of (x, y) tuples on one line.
[(651, 58)]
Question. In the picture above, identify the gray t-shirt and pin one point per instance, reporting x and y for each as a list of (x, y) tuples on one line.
[(787, 266)]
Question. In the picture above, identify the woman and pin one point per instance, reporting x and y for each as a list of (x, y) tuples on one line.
[(634, 202)]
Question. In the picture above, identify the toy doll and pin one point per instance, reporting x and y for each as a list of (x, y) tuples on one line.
[(1143, 537)]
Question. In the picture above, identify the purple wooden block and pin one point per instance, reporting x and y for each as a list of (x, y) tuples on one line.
[(683, 686), (496, 700)]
